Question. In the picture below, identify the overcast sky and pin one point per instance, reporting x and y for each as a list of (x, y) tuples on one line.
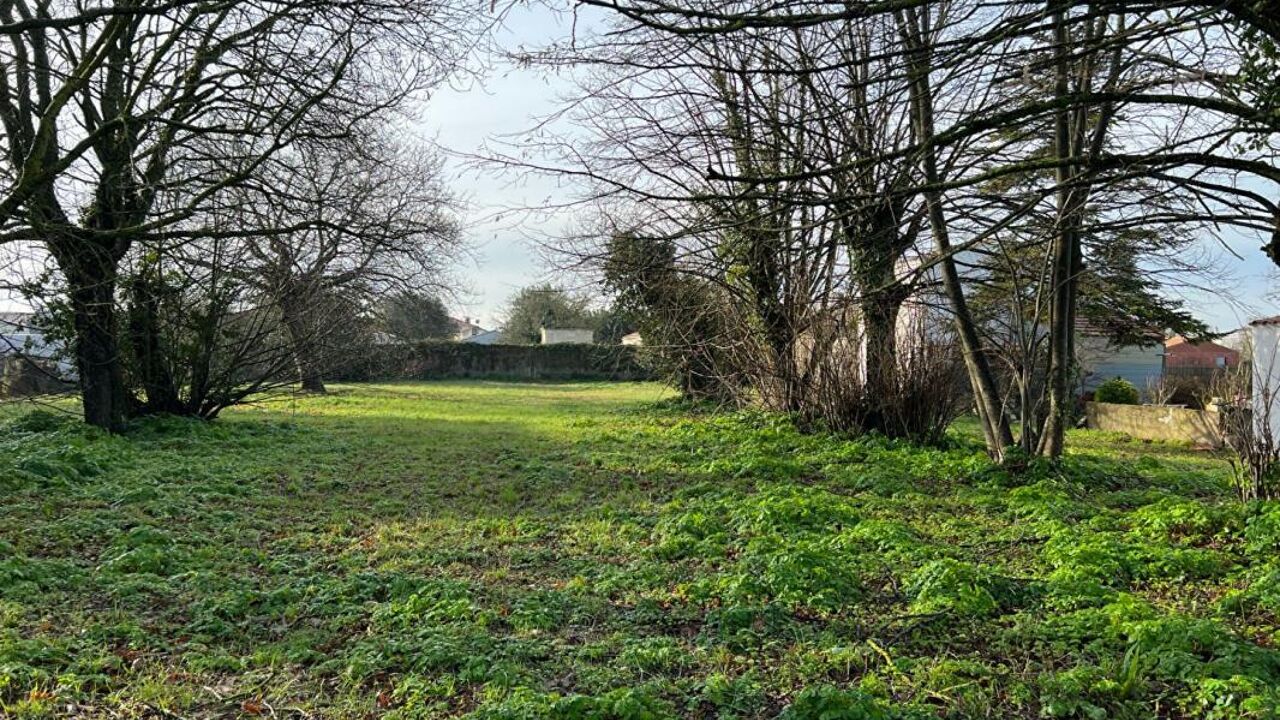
[(509, 100), (497, 109)]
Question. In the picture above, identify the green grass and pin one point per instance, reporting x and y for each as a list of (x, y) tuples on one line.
[(592, 551)]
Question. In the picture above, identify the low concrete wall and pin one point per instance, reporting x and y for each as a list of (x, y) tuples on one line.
[(1156, 422)]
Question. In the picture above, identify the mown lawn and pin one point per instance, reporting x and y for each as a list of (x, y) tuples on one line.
[(588, 551)]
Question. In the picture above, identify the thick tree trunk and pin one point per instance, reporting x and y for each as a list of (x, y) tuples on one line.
[(880, 321), (995, 426), (305, 354), (1065, 258), (880, 333), (92, 283), (161, 390)]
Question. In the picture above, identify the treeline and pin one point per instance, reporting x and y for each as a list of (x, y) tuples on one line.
[(833, 209), (200, 196)]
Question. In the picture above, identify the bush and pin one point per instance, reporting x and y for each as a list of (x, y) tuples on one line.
[(1117, 391), (917, 400)]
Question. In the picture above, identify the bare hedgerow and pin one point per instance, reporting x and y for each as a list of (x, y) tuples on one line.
[(917, 398), (1160, 390)]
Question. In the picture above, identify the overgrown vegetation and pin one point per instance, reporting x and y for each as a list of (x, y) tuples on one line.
[(1117, 391), (580, 551)]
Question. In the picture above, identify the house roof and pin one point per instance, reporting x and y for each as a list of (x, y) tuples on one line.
[(1179, 341), (1085, 327), (465, 325), (1273, 320), (488, 337)]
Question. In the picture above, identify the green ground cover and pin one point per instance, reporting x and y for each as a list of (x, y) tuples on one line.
[(589, 551)]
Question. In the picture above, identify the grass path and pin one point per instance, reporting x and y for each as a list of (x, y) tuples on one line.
[(498, 550)]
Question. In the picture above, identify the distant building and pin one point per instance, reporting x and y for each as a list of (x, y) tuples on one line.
[(632, 339), (1179, 353), (30, 364), (1102, 360), (488, 337), (19, 336), (1265, 335), (465, 328), (1238, 340), (568, 336)]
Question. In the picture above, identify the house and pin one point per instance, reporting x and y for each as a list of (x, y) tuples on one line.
[(488, 337), (632, 339), (568, 336), (19, 336), (1238, 340), (1100, 359), (1265, 336), (1179, 353), (465, 328), (29, 363)]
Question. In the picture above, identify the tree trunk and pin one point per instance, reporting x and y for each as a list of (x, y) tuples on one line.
[(880, 325), (1061, 361), (995, 426), (302, 337), (880, 334), (161, 390), (92, 280), (1065, 257)]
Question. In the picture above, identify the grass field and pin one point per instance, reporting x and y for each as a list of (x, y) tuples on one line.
[(590, 551)]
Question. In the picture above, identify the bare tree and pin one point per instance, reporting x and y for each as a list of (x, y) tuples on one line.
[(1144, 95), (775, 163), (328, 227), (122, 126)]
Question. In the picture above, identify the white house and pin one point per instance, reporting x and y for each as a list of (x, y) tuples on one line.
[(488, 337), (18, 336), (466, 328), (1266, 374), (23, 347), (567, 336), (1102, 360)]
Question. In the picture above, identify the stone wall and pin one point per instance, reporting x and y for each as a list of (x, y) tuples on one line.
[(21, 376), (443, 360), (1156, 422)]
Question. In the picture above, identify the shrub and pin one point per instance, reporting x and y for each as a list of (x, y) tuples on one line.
[(917, 400), (1262, 533), (1117, 391)]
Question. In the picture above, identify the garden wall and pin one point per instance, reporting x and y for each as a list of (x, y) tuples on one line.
[(21, 376), (1156, 422), (441, 360)]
